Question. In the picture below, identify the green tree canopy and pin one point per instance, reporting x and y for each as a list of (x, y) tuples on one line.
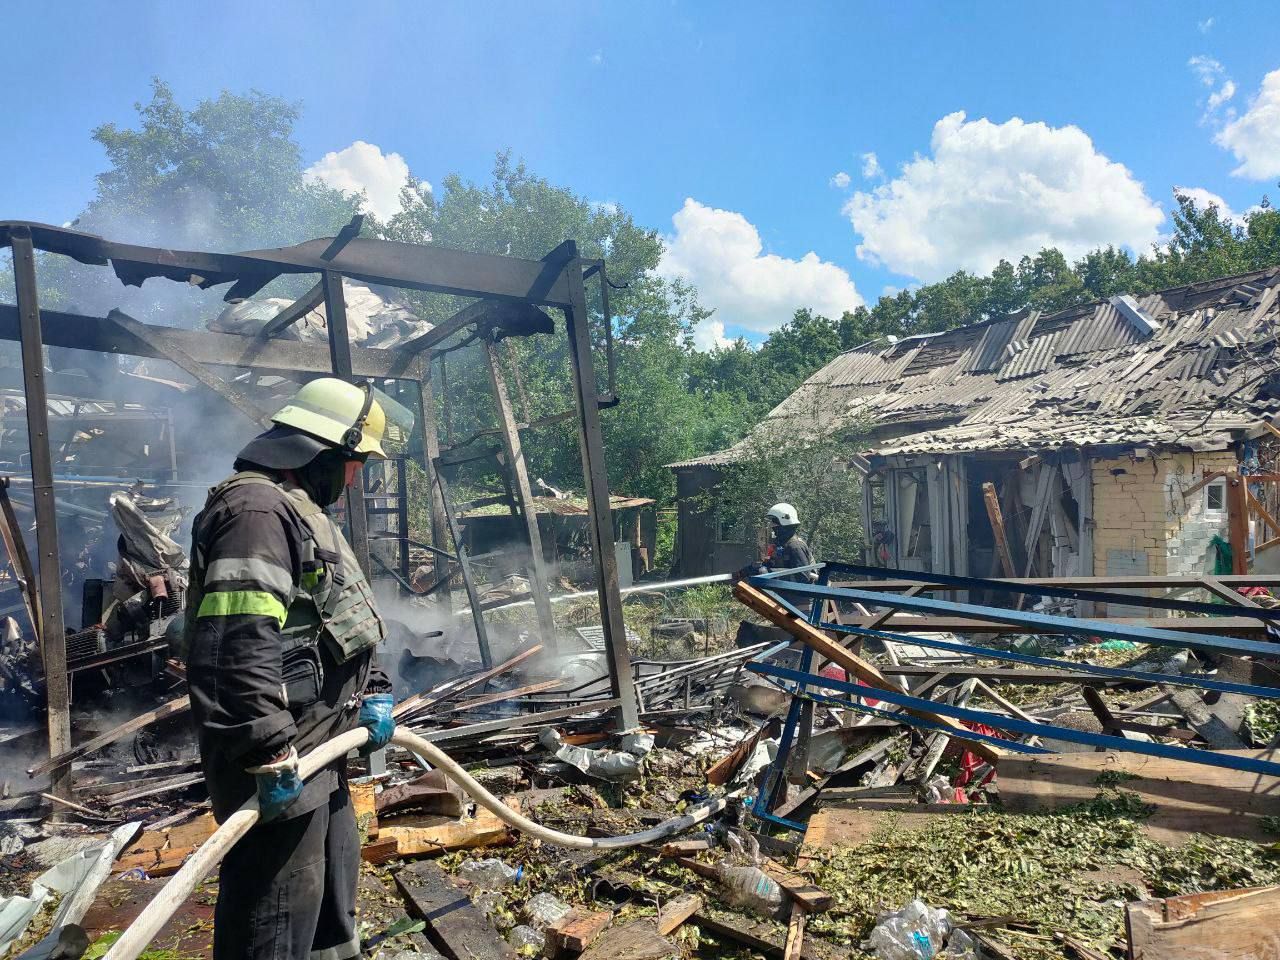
[(660, 417)]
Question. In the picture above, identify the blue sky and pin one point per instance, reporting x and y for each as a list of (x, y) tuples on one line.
[(995, 127)]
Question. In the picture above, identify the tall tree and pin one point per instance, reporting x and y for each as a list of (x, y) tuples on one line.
[(225, 175), (659, 417)]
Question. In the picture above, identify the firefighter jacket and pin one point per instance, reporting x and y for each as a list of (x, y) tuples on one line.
[(281, 631), (790, 553)]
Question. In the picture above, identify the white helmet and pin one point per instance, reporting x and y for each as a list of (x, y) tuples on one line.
[(785, 514)]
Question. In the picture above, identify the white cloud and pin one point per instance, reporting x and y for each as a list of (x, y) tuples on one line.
[(1213, 76), (1204, 26), (841, 180), (721, 253), (991, 191), (1221, 95), (596, 59), (1207, 69), (709, 335), (1204, 199), (1254, 136), (364, 167), (871, 169)]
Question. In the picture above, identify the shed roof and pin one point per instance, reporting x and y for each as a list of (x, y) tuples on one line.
[(1188, 368)]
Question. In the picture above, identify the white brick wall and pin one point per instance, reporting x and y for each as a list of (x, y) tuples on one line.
[(1190, 526)]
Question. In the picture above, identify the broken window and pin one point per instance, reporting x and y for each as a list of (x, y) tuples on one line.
[(1215, 497)]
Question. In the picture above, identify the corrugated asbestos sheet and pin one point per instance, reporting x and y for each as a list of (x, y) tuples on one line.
[(1083, 376)]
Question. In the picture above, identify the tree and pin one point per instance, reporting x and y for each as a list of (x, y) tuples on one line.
[(1106, 272), (661, 416), (226, 175), (784, 461)]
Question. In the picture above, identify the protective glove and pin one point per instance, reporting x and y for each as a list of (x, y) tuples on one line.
[(278, 784), (375, 716)]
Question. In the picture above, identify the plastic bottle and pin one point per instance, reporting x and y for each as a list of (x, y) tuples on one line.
[(916, 932), (751, 888), (490, 873)]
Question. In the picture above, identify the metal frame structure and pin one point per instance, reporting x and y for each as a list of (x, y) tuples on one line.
[(556, 281), (800, 683)]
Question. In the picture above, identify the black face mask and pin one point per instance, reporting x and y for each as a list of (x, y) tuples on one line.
[(324, 478)]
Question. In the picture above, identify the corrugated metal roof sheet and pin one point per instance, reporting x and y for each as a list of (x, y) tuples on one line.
[(1088, 377)]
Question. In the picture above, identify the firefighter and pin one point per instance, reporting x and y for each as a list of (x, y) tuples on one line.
[(787, 548), (281, 632)]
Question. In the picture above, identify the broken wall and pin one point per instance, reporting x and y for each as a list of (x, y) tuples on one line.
[(1144, 524)]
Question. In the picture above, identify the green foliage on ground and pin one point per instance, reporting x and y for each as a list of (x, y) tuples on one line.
[(1068, 872)]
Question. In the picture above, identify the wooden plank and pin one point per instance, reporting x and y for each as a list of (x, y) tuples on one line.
[(1226, 925), (167, 785), (822, 644), (1261, 511), (813, 898), (1205, 480), (170, 709), (454, 926), (795, 933), (685, 848), (992, 500), (483, 830), (673, 914), (759, 936), (503, 695), (1187, 797), (1039, 511), (421, 701), (722, 770), (638, 940), (851, 826), (1238, 523), (577, 930)]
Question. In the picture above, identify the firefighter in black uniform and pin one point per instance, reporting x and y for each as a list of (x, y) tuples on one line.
[(787, 549), (280, 637)]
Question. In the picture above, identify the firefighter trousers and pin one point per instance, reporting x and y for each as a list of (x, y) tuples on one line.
[(287, 890)]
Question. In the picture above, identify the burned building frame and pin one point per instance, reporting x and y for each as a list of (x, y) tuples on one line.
[(501, 283)]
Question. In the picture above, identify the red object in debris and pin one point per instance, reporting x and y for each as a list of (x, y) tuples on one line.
[(835, 672), (973, 766)]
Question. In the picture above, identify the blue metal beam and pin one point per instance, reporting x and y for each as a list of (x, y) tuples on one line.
[(1210, 758), (1033, 622), (1195, 680), (1068, 593)]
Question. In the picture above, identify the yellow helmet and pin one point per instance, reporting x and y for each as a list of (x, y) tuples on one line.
[(341, 414)]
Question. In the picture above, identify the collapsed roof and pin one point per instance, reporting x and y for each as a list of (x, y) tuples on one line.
[(1188, 368)]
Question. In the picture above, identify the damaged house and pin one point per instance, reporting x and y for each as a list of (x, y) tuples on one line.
[(1086, 434)]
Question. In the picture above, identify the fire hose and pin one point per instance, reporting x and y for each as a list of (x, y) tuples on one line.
[(157, 913)]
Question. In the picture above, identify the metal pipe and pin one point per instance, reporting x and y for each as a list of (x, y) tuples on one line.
[(638, 588)]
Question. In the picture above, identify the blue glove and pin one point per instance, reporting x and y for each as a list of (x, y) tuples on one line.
[(375, 716), (278, 785)]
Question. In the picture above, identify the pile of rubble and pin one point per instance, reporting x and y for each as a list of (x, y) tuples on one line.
[(862, 836)]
